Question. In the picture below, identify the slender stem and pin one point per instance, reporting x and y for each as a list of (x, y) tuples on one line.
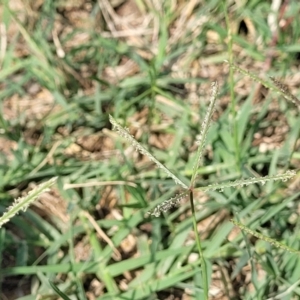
[(198, 242)]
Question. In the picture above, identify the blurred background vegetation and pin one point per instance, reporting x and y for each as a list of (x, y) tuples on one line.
[(66, 65)]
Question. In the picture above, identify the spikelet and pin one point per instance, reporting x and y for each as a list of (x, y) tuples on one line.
[(245, 182), (279, 87), (204, 129), (264, 237), (167, 205), (283, 90), (22, 203), (125, 134)]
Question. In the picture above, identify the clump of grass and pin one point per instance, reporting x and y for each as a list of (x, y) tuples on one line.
[(189, 191), (180, 37)]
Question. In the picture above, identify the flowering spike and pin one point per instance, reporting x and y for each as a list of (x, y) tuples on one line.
[(125, 134), (264, 237), (167, 205), (22, 203), (238, 183), (204, 129)]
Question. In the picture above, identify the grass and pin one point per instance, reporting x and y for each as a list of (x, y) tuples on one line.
[(65, 67)]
